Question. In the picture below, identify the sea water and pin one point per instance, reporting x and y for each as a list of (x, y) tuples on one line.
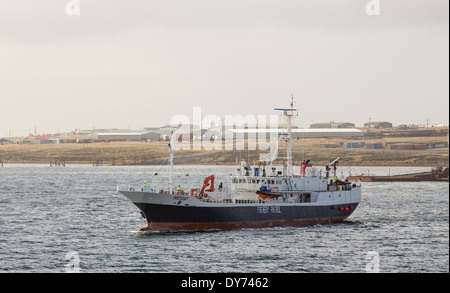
[(59, 219)]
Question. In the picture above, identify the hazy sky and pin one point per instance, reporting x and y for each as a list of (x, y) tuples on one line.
[(133, 64)]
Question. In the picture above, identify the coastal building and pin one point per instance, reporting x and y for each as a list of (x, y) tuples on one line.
[(125, 136), (4, 141), (332, 124), (378, 124), (297, 133), (46, 139)]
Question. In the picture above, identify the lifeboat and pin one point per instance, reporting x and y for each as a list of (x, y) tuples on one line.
[(264, 193)]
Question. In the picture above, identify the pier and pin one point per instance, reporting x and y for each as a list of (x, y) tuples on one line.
[(58, 163)]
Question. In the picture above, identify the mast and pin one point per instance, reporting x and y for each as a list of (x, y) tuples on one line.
[(171, 162), (288, 113)]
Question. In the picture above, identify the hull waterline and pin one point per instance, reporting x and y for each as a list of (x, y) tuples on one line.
[(185, 213)]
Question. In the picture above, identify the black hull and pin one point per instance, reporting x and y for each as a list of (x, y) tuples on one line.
[(174, 217)]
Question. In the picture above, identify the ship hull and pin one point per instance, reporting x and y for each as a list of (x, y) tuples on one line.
[(226, 218), (191, 214)]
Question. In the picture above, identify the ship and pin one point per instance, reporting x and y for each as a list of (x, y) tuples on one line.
[(257, 197), (437, 174)]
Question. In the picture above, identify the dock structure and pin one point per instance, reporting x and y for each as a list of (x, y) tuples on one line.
[(58, 163), (437, 174)]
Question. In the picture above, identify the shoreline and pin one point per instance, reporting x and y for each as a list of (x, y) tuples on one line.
[(16, 164), (156, 154), (343, 165)]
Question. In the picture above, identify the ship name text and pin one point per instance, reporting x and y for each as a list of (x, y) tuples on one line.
[(177, 197), (268, 210)]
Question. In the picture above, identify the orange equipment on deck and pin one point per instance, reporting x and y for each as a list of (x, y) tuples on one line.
[(208, 179)]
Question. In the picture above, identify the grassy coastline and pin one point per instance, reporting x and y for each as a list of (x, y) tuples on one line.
[(156, 153)]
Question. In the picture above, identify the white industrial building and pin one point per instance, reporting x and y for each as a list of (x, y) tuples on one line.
[(125, 136), (296, 133), (230, 133)]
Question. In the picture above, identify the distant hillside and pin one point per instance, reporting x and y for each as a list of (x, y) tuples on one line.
[(319, 151)]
